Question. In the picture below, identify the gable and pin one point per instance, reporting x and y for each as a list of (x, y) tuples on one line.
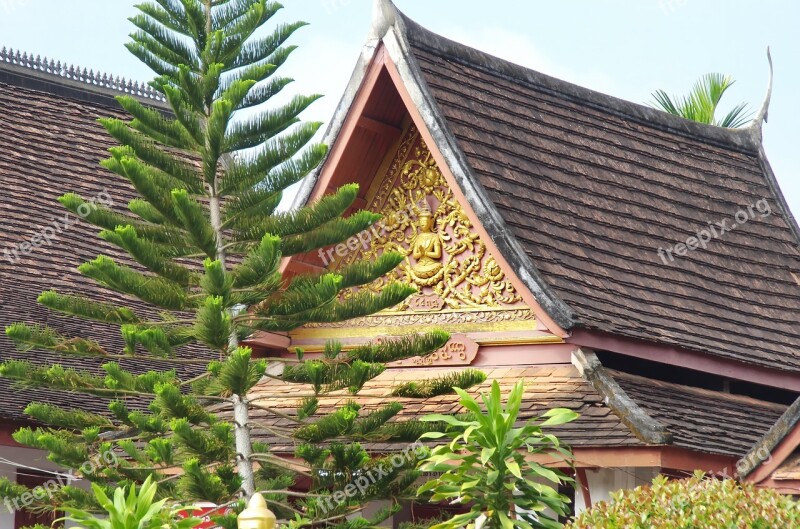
[(579, 190), (461, 286)]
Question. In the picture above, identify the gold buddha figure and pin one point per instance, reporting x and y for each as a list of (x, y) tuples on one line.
[(426, 247)]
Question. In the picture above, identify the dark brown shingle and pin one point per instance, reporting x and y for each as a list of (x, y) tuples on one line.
[(700, 419), (546, 387), (50, 145), (592, 187)]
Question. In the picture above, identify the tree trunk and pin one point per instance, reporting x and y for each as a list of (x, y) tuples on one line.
[(241, 412)]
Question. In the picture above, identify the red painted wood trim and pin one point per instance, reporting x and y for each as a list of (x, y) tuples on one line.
[(268, 340), (676, 356), (350, 123), (523, 355), (778, 456), (789, 486), (583, 480), (7, 428), (676, 458), (302, 267), (667, 457), (378, 127), (348, 128)]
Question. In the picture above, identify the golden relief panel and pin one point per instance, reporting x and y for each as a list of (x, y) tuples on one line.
[(445, 258), (460, 284)]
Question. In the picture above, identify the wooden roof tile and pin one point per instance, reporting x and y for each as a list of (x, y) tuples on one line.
[(592, 187)]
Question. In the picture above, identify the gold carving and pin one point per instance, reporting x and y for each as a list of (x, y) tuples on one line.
[(445, 257), (495, 317), (461, 286), (426, 249), (432, 303)]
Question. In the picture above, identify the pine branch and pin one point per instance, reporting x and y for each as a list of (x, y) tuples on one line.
[(159, 341), (328, 234), (306, 219), (249, 170), (333, 425), (394, 349), (71, 419), (149, 255), (155, 290), (237, 374), (440, 386), (28, 337), (86, 308)]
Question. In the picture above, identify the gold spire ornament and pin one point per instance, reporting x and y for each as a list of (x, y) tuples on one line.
[(257, 515)]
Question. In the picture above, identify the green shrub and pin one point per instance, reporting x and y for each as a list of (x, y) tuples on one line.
[(129, 508), (698, 502), (485, 465)]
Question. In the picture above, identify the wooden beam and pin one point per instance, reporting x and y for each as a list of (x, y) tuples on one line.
[(268, 340), (779, 455), (583, 481), (676, 356), (359, 203), (782, 486), (670, 457), (7, 430), (379, 127)]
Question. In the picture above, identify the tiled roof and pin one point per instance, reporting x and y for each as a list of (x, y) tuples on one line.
[(699, 420), (49, 145), (546, 387), (703, 420), (592, 186), (789, 470)]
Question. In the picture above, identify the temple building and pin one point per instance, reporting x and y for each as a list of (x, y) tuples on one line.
[(559, 234), (638, 268)]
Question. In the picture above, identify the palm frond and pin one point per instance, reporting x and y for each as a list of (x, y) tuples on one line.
[(701, 103)]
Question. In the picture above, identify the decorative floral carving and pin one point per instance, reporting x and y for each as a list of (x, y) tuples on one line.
[(422, 319), (445, 256)]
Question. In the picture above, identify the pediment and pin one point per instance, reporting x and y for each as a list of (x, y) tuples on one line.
[(461, 286)]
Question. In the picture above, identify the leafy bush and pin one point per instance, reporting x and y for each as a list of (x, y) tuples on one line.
[(698, 502), (487, 464), (130, 509)]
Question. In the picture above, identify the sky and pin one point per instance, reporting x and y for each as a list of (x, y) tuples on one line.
[(626, 48)]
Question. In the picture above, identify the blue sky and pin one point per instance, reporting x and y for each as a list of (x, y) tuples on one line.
[(625, 48)]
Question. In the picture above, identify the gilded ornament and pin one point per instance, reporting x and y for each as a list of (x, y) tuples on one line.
[(445, 256)]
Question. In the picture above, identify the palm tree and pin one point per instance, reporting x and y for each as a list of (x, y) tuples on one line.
[(701, 103)]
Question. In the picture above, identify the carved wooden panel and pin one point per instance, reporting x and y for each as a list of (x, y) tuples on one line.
[(461, 286)]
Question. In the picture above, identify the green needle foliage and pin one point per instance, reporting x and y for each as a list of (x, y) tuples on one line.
[(701, 103), (487, 465), (205, 242)]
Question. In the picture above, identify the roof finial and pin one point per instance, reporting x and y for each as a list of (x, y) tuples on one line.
[(384, 16), (763, 114)]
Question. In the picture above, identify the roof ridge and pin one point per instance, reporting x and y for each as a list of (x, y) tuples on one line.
[(61, 72), (745, 139)]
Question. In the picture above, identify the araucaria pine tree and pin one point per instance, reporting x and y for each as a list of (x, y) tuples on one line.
[(205, 240)]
